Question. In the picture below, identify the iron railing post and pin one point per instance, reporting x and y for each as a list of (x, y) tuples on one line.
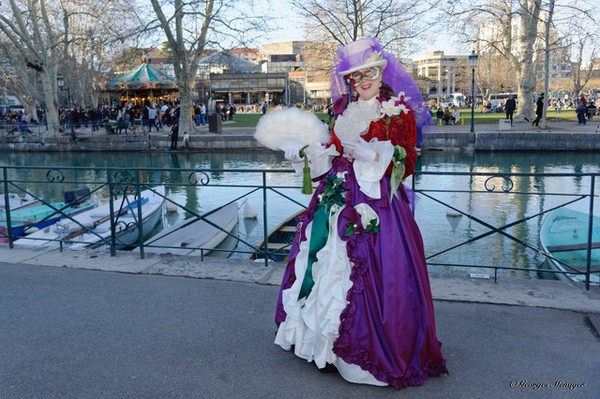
[(139, 212), (7, 208), (111, 207), (588, 262), (265, 224)]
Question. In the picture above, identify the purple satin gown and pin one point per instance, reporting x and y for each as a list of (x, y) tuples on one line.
[(387, 327)]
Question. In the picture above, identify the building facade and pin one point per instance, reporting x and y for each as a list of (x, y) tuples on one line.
[(445, 73)]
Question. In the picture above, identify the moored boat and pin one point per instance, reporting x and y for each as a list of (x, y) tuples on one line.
[(279, 240), (92, 228), (38, 215), (15, 202), (195, 236), (564, 239)]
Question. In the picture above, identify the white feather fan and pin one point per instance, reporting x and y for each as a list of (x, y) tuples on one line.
[(290, 127)]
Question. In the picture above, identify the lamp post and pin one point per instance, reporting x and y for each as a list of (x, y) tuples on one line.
[(60, 81), (473, 62)]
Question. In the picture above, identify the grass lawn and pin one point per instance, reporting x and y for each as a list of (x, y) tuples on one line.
[(250, 120), (494, 117)]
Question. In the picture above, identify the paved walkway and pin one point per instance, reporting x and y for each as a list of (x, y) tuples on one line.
[(87, 325), (592, 126), (230, 127)]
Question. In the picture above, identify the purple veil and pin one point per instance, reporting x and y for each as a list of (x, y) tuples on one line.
[(394, 75)]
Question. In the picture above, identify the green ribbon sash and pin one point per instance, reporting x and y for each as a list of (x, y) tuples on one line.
[(318, 239)]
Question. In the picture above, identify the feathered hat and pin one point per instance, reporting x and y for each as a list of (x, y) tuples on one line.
[(359, 55)]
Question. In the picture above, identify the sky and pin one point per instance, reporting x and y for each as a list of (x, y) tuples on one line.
[(290, 28)]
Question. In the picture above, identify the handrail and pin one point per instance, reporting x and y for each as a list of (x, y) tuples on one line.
[(512, 252)]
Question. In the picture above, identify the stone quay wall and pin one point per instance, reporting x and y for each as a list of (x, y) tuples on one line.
[(244, 141)]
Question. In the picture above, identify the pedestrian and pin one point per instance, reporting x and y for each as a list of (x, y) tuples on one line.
[(590, 110), (202, 114), (152, 114), (510, 106), (539, 110), (186, 140), (197, 116), (355, 296), (329, 113), (174, 135), (176, 112), (581, 112)]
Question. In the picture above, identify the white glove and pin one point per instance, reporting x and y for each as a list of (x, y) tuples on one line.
[(292, 154), (360, 150)]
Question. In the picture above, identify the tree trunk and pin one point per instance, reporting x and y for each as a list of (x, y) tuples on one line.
[(547, 50), (185, 95), (524, 64), (50, 105)]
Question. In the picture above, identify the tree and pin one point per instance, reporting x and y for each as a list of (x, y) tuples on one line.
[(189, 28), (515, 29), (392, 22), (41, 38), (494, 75), (506, 28), (581, 47), (547, 51), (92, 33), (31, 48)]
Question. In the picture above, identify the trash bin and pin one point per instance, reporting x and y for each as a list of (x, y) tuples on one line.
[(215, 123)]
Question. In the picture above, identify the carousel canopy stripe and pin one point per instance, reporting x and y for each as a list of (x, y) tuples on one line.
[(143, 77)]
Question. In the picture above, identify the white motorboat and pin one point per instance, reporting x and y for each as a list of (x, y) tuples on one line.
[(92, 228), (15, 202)]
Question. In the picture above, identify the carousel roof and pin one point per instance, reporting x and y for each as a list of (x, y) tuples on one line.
[(143, 77)]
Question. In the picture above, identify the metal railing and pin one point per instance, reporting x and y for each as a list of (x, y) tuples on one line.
[(509, 207)]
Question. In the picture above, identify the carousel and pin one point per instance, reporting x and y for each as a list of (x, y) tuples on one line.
[(141, 84)]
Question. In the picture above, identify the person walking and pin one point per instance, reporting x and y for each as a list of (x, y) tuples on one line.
[(539, 110), (355, 296), (510, 106)]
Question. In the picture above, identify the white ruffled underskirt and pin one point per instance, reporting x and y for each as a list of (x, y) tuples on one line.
[(312, 323)]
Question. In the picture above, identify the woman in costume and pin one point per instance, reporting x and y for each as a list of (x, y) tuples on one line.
[(355, 294)]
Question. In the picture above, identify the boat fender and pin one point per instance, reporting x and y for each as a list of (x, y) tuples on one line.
[(250, 211)]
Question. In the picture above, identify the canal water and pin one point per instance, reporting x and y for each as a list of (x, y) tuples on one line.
[(446, 234)]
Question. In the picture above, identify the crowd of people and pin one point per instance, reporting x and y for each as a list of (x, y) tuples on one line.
[(146, 116), (130, 115)]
